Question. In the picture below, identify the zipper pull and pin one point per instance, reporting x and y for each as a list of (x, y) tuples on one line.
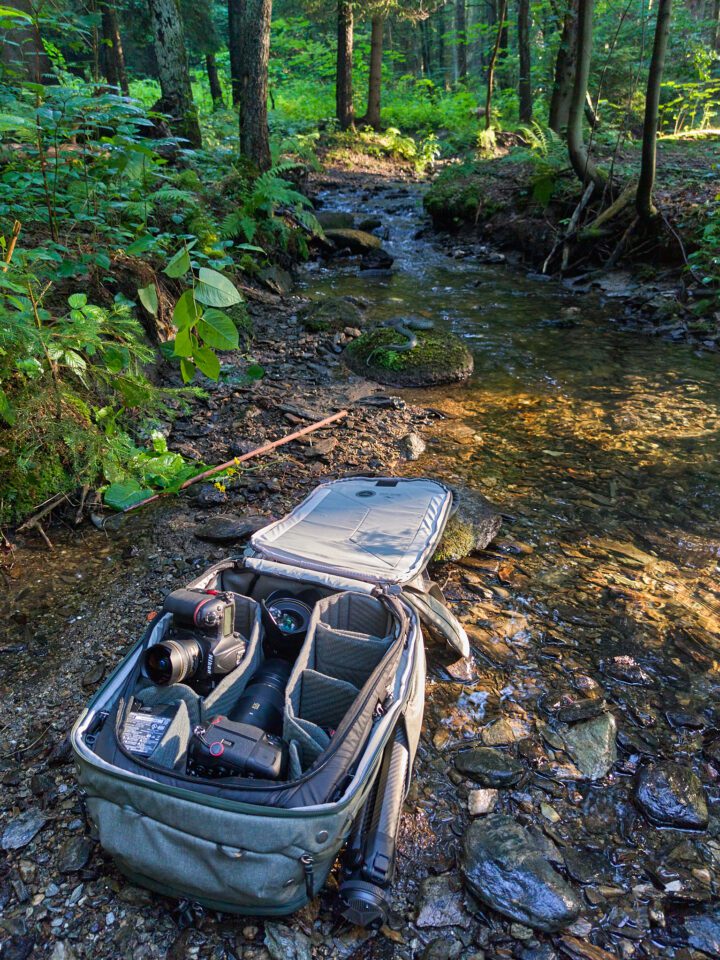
[(307, 861)]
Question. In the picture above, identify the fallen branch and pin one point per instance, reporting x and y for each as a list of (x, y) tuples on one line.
[(258, 451), (43, 510), (572, 226)]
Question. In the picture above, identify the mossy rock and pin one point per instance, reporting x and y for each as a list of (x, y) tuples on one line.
[(331, 315), (356, 241), (475, 524), (438, 358), (335, 220)]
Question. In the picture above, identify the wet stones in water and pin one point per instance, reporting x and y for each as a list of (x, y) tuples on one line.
[(626, 669), (356, 241), (336, 220), (372, 223), (437, 358), (591, 745), (506, 869), (587, 866), (74, 854), (671, 795), (376, 261), (441, 904), (489, 768), (20, 831), (703, 932), (481, 802), (331, 315), (227, 529), (474, 525), (286, 943), (411, 446)]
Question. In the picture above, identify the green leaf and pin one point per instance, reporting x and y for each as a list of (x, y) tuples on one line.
[(185, 343), (6, 410), (186, 312), (180, 263), (148, 298), (207, 361), (116, 358), (249, 246), (187, 369), (120, 496), (215, 290), (255, 371), (218, 330), (77, 300), (140, 245)]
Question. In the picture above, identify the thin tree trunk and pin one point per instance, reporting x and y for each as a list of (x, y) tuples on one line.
[(113, 55), (425, 48), (235, 17), (254, 133), (643, 199), (716, 30), (21, 47), (577, 151), (343, 84), (214, 81), (173, 73), (493, 61), (372, 115), (461, 39), (525, 79), (474, 45), (564, 72)]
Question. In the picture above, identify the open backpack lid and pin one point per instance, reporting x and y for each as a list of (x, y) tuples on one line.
[(379, 530)]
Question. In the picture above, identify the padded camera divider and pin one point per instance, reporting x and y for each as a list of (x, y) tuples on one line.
[(171, 752), (356, 612), (346, 655), (324, 700), (309, 739), (226, 694), (153, 696), (294, 763)]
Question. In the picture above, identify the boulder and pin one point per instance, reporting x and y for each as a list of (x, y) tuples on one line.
[(438, 358), (592, 746), (356, 241), (505, 867), (331, 315), (335, 220), (489, 768), (671, 795), (225, 528), (474, 525)]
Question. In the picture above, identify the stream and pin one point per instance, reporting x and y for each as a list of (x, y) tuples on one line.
[(598, 607)]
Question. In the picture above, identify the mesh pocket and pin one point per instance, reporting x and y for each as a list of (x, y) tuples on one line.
[(348, 656)]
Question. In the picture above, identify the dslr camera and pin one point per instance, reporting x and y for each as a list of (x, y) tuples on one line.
[(201, 645)]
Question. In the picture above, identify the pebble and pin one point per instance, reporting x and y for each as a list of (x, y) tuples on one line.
[(505, 731), (481, 802), (20, 831), (671, 795), (412, 446), (75, 853), (489, 768), (591, 745), (441, 904)]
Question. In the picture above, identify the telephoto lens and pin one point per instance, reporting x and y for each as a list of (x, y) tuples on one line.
[(261, 705)]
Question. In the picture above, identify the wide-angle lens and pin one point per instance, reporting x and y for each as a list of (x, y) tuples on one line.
[(171, 661)]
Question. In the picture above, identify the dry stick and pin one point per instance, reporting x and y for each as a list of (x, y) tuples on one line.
[(571, 227), (265, 448), (11, 246), (43, 510)]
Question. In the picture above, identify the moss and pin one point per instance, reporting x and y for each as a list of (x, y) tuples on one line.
[(438, 358), (468, 192), (458, 541), (331, 315)]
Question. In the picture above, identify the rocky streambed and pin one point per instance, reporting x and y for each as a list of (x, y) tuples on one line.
[(565, 799)]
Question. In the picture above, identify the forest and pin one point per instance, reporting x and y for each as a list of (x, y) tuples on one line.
[(248, 248)]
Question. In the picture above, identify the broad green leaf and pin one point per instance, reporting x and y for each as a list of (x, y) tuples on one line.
[(216, 329), (120, 496), (187, 369), (148, 298), (180, 263), (6, 411), (215, 290), (249, 246), (14, 14), (184, 343), (116, 358), (186, 311), (206, 361), (140, 245), (77, 300)]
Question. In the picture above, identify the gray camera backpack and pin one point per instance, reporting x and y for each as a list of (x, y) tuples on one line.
[(349, 713)]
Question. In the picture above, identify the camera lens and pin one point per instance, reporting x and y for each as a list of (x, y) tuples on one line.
[(171, 662), (261, 705)]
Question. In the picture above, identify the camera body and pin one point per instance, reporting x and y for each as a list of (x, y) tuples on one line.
[(201, 645), (229, 749)]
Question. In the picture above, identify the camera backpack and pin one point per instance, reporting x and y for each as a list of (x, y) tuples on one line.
[(352, 711)]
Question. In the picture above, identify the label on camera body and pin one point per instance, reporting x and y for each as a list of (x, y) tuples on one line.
[(145, 728)]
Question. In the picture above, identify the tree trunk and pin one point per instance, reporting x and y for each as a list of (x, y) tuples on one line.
[(372, 115), (461, 40), (173, 74), (564, 72), (214, 81), (474, 45), (525, 79), (113, 56), (343, 82), (254, 133), (235, 17), (21, 47), (425, 48), (579, 157), (502, 11), (643, 199), (716, 29)]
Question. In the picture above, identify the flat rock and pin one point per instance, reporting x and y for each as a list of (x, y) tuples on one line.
[(440, 904), (224, 528), (505, 868), (20, 831), (704, 932), (356, 241), (75, 853), (475, 524), (592, 746), (489, 768), (331, 314), (287, 943), (504, 731), (671, 795)]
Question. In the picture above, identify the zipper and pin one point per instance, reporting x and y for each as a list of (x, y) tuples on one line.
[(308, 865)]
